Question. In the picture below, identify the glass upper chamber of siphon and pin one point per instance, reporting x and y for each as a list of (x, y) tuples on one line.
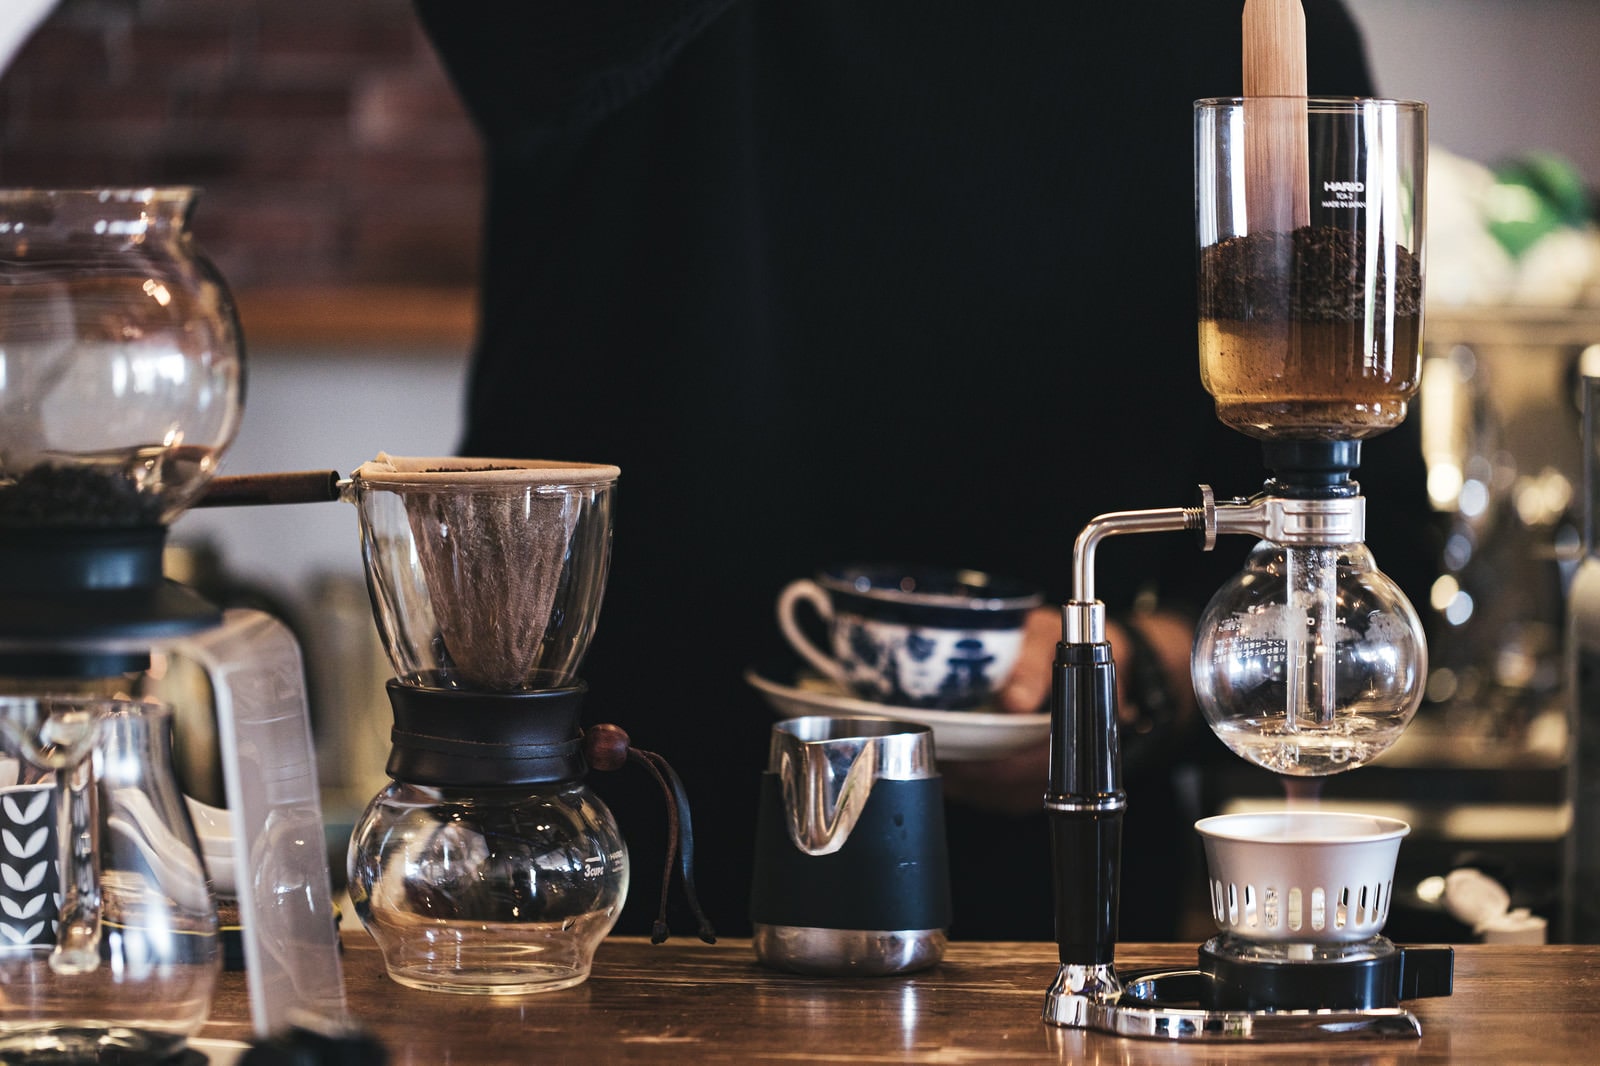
[(1310, 229), (1310, 261), (120, 369), (121, 384), (487, 865)]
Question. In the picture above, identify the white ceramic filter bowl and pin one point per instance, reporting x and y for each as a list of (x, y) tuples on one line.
[(1301, 876)]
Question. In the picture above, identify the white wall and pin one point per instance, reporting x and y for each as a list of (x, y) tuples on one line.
[(1500, 76)]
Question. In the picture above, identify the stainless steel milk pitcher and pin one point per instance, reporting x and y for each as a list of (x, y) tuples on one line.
[(851, 868)]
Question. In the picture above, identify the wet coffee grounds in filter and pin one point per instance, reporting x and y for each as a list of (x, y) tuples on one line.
[(1297, 341), (1244, 277)]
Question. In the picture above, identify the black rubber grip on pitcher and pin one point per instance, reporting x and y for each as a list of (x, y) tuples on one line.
[(892, 873)]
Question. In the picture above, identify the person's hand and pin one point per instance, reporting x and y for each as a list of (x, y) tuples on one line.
[(1027, 690), (1015, 784)]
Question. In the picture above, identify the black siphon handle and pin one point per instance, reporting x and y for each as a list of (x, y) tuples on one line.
[(1085, 803)]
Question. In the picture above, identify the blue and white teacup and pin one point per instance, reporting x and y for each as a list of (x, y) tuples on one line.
[(912, 636)]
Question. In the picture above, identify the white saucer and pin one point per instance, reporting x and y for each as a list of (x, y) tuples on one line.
[(958, 736)]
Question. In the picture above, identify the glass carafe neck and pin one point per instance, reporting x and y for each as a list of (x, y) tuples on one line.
[(114, 217)]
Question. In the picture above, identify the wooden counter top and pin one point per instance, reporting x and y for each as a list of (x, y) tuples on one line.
[(687, 1002)]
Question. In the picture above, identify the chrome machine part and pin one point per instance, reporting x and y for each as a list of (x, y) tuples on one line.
[(827, 768), (1346, 991), (1295, 522), (1284, 520), (848, 952), (1081, 995), (1144, 1006)]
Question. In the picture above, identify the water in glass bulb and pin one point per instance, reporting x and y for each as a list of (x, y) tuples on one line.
[(1309, 661)]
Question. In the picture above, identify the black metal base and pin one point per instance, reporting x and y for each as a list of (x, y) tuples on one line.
[(1243, 975), (84, 603)]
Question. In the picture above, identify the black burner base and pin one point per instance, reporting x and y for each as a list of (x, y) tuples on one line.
[(1244, 975)]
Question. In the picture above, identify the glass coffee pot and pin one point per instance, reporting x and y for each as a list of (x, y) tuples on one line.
[(487, 865), (1311, 314), (108, 930), (120, 385)]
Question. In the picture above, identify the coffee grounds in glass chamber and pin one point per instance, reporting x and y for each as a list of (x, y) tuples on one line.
[(1316, 274), (75, 496)]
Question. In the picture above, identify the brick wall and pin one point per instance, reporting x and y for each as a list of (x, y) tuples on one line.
[(329, 145)]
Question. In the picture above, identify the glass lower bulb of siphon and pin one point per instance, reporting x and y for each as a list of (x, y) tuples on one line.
[(1309, 661)]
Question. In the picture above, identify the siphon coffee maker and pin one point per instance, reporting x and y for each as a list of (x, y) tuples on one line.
[(121, 383), (488, 866), (1308, 662)]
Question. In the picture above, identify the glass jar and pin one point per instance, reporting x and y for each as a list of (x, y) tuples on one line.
[(489, 891), (108, 921), (486, 574), (1310, 660), (1310, 262), (487, 866), (121, 378)]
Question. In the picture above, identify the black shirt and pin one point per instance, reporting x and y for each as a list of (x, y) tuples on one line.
[(855, 280)]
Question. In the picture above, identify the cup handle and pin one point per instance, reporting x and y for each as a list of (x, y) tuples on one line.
[(808, 591)]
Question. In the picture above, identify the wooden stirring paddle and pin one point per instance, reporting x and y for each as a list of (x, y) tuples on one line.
[(1277, 178)]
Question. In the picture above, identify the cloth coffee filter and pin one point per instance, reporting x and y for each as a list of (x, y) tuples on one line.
[(491, 538)]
